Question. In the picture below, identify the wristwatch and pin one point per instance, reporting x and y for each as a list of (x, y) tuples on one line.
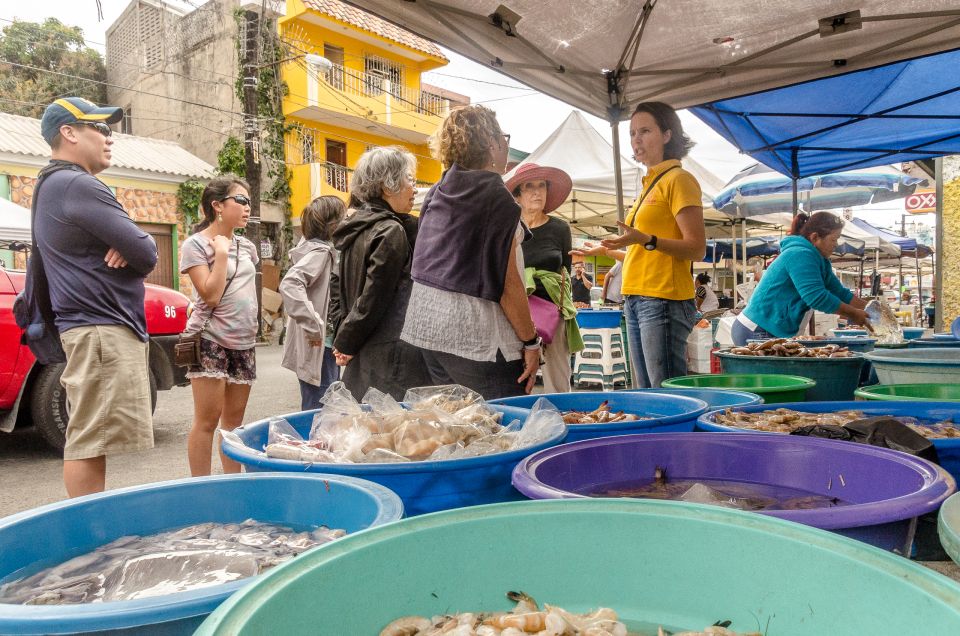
[(651, 244), (533, 343)]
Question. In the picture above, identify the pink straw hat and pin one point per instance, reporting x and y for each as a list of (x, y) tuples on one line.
[(558, 183)]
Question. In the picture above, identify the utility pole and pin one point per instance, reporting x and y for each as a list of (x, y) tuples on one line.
[(251, 143)]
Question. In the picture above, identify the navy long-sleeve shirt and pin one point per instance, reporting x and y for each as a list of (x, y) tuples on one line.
[(78, 220)]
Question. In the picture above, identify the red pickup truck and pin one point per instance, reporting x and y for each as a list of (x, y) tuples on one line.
[(32, 393)]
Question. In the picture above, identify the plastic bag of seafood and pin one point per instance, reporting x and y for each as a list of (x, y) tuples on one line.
[(883, 321), (436, 423), (284, 442)]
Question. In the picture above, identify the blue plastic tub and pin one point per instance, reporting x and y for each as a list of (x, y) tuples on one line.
[(849, 333), (423, 486), (886, 490), (836, 378), (911, 333), (715, 398), (667, 412), (682, 566), (53, 534), (948, 450), (599, 318)]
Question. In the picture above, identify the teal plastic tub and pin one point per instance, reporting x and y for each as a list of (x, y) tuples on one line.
[(52, 534), (916, 365), (771, 387), (836, 378), (948, 526), (911, 392), (683, 566)]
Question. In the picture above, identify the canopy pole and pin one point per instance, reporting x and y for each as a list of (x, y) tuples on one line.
[(916, 258), (617, 176), (733, 254), (743, 231), (794, 170), (860, 280)]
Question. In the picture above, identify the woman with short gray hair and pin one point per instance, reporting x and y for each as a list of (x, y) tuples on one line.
[(376, 246)]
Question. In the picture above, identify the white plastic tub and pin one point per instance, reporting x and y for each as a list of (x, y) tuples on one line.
[(916, 366)]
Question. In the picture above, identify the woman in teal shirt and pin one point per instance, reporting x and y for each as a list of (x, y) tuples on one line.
[(800, 279)]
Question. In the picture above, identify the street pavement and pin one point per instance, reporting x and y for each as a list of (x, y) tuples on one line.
[(31, 473)]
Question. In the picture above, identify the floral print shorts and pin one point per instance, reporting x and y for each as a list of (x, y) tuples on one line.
[(236, 366)]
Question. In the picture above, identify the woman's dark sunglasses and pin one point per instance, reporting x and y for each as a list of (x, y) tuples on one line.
[(99, 126), (239, 198)]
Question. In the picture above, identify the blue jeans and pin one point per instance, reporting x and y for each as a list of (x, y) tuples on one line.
[(740, 333), (657, 331), (329, 373)]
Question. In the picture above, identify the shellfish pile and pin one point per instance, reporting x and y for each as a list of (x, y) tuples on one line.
[(789, 348), (787, 420)]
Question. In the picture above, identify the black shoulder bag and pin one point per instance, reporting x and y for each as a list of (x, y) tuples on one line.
[(32, 308), (186, 353)]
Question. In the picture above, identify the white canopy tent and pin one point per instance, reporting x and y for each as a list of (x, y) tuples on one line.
[(602, 57), (14, 222), (582, 152)]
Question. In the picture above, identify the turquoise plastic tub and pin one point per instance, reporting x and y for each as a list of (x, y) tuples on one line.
[(927, 343), (715, 398), (948, 527), (836, 378), (911, 333), (666, 413), (654, 562), (916, 365), (53, 534), (948, 449), (423, 486)]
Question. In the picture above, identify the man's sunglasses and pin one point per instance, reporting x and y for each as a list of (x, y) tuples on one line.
[(239, 198), (99, 126)]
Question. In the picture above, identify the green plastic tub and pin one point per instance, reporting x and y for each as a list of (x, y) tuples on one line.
[(836, 378), (911, 392), (772, 388), (683, 566)]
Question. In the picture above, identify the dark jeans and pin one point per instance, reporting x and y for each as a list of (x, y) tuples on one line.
[(392, 367), (329, 373), (657, 331), (491, 380), (740, 333)]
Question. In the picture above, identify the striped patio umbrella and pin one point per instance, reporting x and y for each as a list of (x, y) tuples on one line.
[(758, 190)]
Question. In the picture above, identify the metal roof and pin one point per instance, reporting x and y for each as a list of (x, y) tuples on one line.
[(21, 135)]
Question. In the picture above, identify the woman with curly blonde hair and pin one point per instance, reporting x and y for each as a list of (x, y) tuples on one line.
[(468, 311)]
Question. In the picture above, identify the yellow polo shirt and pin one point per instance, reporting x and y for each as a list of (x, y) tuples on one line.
[(653, 273)]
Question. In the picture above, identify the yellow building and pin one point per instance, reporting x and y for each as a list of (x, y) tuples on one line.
[(370, 96)]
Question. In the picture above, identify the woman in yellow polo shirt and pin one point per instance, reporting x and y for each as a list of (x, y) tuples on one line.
[(662, 236)]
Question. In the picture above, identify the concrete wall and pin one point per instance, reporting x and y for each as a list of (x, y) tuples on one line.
[(949, 256), (196, 66)]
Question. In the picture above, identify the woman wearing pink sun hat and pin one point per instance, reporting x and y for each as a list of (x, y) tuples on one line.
[(546, 255)]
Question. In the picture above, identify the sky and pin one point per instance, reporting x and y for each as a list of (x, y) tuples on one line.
[(529, 116)]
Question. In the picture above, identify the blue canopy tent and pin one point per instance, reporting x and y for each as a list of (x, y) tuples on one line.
[(756, 246), (897, 112)]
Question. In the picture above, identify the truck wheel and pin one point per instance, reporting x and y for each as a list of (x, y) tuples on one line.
[(48, 404)]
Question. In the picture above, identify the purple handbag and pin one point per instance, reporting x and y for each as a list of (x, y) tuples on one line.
[(546, 317)]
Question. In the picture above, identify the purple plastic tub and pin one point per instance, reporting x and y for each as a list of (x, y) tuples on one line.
[(886, 490)]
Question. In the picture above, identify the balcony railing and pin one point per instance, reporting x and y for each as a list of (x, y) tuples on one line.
[(374, 85)]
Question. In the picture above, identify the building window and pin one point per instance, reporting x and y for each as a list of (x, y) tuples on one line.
[(336, 167), (378, 71), (126, 124), (335, 74)]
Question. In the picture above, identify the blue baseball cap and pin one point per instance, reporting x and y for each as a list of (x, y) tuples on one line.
[(69, 110)]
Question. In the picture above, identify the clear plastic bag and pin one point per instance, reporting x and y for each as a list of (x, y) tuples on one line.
[(284, 442), (543, 423), (883, 320), (449, 398)]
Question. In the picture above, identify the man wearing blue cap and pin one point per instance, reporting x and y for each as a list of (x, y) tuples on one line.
[(95, 260)]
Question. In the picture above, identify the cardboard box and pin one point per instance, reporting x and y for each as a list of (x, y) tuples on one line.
[(272, 301), (271, 276)]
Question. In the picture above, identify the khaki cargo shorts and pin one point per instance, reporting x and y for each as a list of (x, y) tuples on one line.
[(108, 392)]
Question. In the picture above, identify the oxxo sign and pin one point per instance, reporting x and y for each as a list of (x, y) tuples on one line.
[(921, 202)]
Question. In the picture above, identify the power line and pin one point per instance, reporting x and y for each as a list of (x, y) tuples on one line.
[(126, 88)]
